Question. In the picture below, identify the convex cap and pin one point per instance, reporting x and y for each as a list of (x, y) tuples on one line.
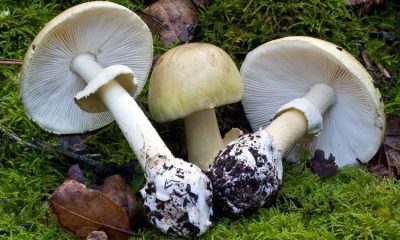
[(190, 78), (285, 69), (112, 34)]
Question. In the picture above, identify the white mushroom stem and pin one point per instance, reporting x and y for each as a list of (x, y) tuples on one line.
[(203, 138), (322, 96), (177, 196), (137, 129), (287, 129), (292, 124)]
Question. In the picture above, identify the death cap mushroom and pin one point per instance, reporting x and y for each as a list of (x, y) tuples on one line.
[(296, 87), (188, 82), (108, 32), (282, 70)]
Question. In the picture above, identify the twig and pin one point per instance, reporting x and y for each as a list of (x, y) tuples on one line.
[(17, 139), (383, 70), (365, 58), (10, 62), (57, 150)]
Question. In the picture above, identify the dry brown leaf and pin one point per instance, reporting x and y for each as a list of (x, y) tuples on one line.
[(366, 6), (202, 3), (75, 173), (392, 125), (81, 210), (116, 189), (387, 161), (393, 159), (173, 20), (392, 144)]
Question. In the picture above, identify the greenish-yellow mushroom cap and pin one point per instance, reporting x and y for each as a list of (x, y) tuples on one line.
[(191, 78)]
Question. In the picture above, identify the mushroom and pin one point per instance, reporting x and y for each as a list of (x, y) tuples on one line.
[(98, 54), (188, 82), (319, 97)]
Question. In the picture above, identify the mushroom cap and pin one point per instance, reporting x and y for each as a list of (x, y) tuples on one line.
[(285, 69), (113, 34), (190, 78)]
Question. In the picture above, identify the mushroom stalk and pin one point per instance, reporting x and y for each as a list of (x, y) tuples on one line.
[(287, 129), (203, 138), (140, 134), (353, 125), (292, 124), (177, 195), (248, 172), (322, 96)]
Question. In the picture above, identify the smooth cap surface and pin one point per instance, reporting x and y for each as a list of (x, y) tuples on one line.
[(190, 78), (110, 32), (281, 70)]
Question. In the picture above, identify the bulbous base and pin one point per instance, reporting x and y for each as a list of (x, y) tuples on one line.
[(246, 174), (177, 197)]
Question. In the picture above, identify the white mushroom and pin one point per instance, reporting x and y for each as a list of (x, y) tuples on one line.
[(91, 52), (188, 82), (318, 95)]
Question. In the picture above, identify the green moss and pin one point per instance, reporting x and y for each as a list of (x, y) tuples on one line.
[(352, 205)]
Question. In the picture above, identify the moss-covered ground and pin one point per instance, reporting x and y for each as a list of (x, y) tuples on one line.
[(355, 204)]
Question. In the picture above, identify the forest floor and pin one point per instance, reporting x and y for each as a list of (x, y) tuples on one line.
[(354, 204)]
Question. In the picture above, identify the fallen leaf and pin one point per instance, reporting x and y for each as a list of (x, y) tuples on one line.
[(173, 20), (202, 3), (387, 161), (81, 210), (379, 168), (75, 173), (392, 125), (73, 143), (393, 159), (125, 170), (366, 6), (323, 167), (97, 235), (119, 192)]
